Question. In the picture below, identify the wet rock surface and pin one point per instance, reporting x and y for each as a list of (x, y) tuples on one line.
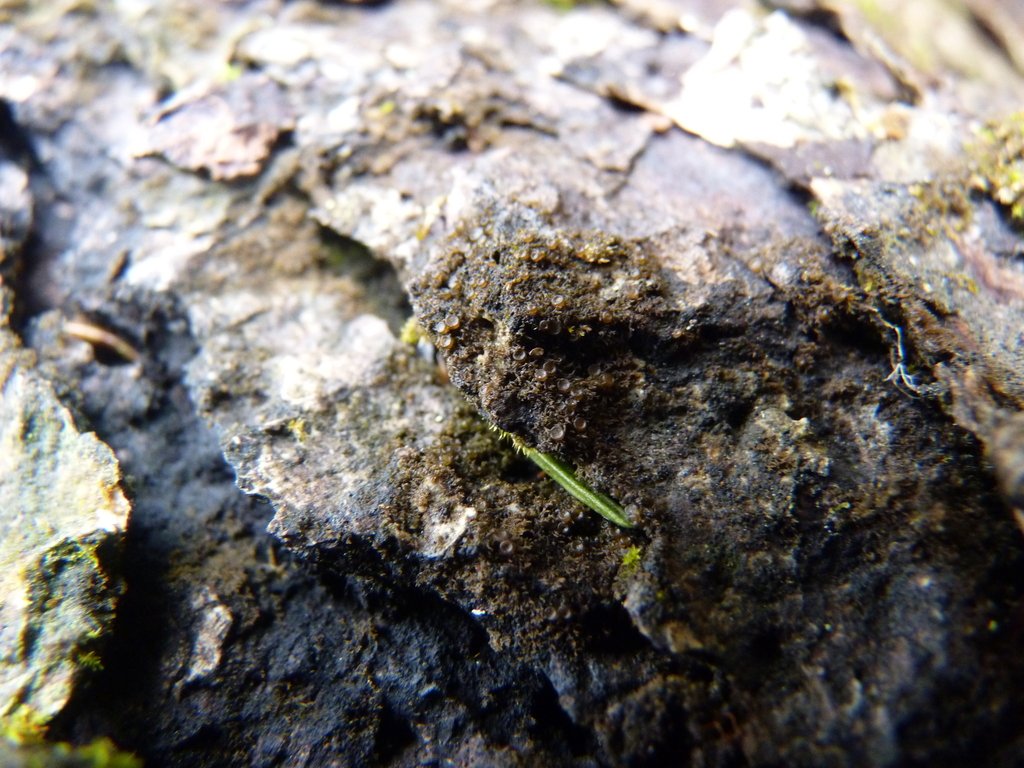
[(786, 341)]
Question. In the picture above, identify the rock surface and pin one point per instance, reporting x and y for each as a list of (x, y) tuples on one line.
[(754, 273), (63, 521)]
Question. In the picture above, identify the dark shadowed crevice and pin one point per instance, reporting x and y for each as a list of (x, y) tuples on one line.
[(383, 290)]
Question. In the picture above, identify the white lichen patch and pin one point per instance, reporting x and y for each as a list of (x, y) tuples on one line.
[(759, 83), (442, 533), (308, 379)]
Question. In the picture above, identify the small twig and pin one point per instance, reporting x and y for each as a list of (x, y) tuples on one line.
[(100, 337)]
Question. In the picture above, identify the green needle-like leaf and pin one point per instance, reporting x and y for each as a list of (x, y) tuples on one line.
[(563, 474)]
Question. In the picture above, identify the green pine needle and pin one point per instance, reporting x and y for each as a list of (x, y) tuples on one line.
[(562, 474)]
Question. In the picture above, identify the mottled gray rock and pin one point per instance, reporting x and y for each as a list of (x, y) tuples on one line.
[(62, 510), (809, 410), (733, 388), (62, 525)]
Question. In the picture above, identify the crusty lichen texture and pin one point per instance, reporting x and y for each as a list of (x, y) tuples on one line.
[(541, 329)]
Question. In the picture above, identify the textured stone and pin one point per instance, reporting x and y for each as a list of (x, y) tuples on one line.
[(787, 337), (63, 519)]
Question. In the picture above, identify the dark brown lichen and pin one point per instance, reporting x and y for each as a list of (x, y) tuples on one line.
[(551, 326)]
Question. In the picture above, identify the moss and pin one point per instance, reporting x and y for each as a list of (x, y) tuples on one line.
[(965, 281), (897, 251), (411, 332), (24, 725), (568, 5), (998, 165), (942, 206), (101, 753), (439, 475), (89, 660), (299, 429), (630, 563), (230, 72), (542, 330)]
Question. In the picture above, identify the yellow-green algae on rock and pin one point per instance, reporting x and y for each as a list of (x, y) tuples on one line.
[(62, 516)]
